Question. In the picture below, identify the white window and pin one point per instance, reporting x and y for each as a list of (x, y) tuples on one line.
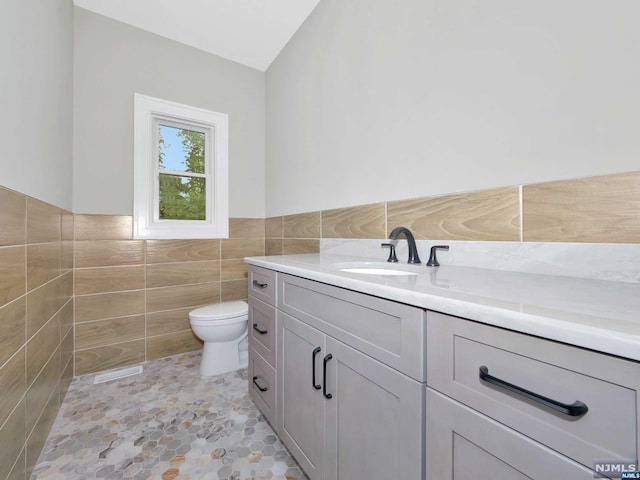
[(180, 171)]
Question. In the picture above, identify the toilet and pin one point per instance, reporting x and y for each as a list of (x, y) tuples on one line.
[(223, 328)]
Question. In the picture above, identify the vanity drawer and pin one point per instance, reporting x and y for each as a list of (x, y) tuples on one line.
[(262, 386), (262, 329), (457, 349), (392, 333), (262, 284)]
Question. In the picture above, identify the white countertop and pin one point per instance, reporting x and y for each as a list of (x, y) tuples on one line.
[(595, 314)]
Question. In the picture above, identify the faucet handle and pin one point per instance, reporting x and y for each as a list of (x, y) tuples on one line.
[(433, 260), (392, 252)]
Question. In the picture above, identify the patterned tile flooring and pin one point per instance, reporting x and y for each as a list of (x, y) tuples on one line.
[(167, 423)]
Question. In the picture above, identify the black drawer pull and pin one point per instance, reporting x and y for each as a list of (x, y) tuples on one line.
[(261, 331), (260, 285), (576, 409), (313, 368), (324, 376), (260, 387)]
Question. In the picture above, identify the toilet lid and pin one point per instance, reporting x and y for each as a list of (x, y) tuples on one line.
[(220, 311)]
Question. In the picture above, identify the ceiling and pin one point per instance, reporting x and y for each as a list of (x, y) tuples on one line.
[(251, 32)]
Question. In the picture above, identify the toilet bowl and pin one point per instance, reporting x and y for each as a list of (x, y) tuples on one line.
[(223, 328)]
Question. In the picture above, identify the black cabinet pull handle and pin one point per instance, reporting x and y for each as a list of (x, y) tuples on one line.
[(576, 409), (260, 285), (313, 368), (324, 376), (261, 331), (260, 387)]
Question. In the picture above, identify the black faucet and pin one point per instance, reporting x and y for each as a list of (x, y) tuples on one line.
[(413, 250)]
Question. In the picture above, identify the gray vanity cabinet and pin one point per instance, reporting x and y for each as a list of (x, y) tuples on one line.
[(464, 444), (521, 405), (301, 418), (343, 414), (371, 419)]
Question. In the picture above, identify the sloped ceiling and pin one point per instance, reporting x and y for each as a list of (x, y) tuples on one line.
[(250, 32)]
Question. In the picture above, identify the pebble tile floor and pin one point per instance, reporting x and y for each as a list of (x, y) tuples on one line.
[(168, 423)]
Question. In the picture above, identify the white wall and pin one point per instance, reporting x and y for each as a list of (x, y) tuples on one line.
[(376, 100), (112, 62), (36, 89)]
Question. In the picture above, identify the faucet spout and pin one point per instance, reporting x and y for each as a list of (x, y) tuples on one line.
[(411, 241)]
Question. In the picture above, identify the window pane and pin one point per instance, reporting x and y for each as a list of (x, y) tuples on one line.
[(182, 198), (180, 150)]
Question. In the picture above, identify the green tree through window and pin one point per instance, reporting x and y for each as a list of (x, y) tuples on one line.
[(182, 196)]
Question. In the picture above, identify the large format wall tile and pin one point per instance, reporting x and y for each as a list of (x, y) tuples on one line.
[(169, 321), (163, 251), (43, 303), (43, 263), (273, 246), (109, 305), (42, 388), (107, 253), (367, 221), (41, 346), (485, 215), (240, 248), (12, 437), (12, 217), (66, 246), (303, 225), (36, 261), (111, 356), (43, 222), (169, 298), (292, 246), (106, 332), (182, 273), (38, 436), (233, 290), (12, 273), (235, 269), (172, 344), (13, 321), (246, 228), (273, 227), (12, 379), (109, 279), (596, 210), (103, 227)]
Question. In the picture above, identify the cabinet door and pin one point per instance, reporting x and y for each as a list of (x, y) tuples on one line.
[(463, 444), (375, 419), (301, 419)]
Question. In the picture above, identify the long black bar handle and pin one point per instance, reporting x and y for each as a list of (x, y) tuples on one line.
[(316, 351), (260, 285), (324, 376), (260, 387), (261, 331), (576, 409)]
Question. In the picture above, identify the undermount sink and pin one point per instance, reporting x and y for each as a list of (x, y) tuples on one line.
[(377, 271), (379, 268)]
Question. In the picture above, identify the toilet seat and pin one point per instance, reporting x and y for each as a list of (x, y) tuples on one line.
[(219, 314)]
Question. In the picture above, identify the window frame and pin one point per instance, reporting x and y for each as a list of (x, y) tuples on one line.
[(149, 112)]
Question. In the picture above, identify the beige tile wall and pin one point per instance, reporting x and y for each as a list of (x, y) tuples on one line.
[(133, 297), (36, 318), (592, 210)]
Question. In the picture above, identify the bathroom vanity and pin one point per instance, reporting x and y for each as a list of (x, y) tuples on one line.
[(444, 373)]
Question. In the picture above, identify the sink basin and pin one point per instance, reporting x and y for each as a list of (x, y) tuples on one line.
[(379, 268), (377, 271)]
